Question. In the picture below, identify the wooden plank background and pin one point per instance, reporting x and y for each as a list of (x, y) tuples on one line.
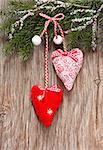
[(78, 125)]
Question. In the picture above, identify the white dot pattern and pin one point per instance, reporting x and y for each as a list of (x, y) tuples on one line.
[(49, 111)]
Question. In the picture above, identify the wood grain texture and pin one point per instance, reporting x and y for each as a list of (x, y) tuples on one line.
[(78, 125)]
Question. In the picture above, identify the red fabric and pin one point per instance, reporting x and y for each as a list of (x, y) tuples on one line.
[(50, 102)]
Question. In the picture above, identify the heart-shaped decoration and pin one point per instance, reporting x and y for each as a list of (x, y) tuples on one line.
[(46, 102), (67, 65)]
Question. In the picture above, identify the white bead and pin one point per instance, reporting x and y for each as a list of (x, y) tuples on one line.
[(36, 40), (58, 40)]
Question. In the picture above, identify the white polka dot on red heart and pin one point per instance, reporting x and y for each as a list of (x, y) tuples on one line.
[(40, 97), (49, 111)]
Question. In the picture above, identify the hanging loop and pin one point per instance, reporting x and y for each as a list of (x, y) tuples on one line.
[(55, 20)]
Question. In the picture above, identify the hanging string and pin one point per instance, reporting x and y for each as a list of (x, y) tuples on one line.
[(55, 20), (46, 72)]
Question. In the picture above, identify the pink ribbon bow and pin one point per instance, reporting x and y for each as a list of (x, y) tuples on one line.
[(72, 54), (55, 20)]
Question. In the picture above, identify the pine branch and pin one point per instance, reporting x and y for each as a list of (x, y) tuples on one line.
[(21, 41), (80, 39), (100, 40)]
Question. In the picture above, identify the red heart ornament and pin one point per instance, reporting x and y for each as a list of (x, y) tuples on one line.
[(67, 65), (46, 102)]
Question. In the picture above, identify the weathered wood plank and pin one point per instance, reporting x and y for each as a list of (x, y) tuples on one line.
[(78, 125)]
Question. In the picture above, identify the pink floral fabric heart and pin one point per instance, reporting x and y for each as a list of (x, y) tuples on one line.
[(67, 65)]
